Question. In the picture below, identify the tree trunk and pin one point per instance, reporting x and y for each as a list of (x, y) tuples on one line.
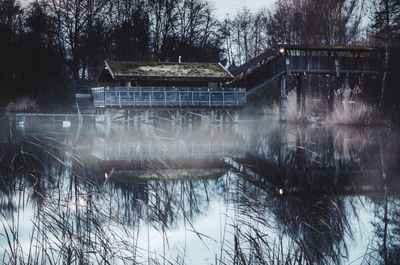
[(387, 42)]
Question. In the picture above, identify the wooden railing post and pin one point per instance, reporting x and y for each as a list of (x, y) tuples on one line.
[(104, 96), (119, 98), (282, 105)]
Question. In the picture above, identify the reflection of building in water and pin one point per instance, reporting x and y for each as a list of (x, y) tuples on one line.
[(297, 159), (153, 148), (193, 155)]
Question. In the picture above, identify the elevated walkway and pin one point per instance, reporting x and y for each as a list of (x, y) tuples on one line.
[(261, 71)]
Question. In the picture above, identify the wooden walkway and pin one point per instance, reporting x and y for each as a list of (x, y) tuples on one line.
[(273, 64), (261, 72)]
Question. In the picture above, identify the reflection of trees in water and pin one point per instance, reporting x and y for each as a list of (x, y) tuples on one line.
[(79, 218), (318, 225), (307, 229), (333, 158), (162, 202), (42, 187), (385, 248), (318, 146), (309, 225)]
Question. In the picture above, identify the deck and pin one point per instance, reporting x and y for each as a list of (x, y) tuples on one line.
[(150, 97)]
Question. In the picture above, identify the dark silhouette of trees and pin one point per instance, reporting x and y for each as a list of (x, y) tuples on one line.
[(10, 46), (385, 28), (42, 63), (386, 22), (46, 45)]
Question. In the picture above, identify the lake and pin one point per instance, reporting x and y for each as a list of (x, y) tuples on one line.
[(255, 192)]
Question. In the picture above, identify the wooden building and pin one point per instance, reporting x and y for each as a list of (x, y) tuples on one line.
[(125, 84), (164, 74)]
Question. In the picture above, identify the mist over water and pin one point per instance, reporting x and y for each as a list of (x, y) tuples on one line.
[(255, 192)]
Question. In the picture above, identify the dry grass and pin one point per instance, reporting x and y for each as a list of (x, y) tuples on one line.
[(23, 104), (314, 109), (345, 112), (355, 112)]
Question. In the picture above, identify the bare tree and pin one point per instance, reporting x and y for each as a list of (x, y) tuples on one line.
[(385, 25), (73, 19)]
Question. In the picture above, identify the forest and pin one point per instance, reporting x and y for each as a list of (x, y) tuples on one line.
[(46, 46)]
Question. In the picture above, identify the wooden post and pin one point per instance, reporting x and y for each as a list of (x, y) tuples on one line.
[(150, 98), (146, 116), (235, 116), (127, 117), (135, 119), (332, 86), (178, 118), (300, 95), (236, 97), (283, 144), (282, 105)]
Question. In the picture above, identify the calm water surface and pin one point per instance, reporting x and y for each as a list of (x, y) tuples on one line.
[(256, 192)]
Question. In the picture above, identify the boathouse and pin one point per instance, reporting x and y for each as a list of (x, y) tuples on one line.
[(164, 74), (126, 84)]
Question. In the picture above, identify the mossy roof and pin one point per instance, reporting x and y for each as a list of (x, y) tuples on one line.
[(164, 70)]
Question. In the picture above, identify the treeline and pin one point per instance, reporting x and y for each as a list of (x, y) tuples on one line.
[(328, 22), (45, 45)]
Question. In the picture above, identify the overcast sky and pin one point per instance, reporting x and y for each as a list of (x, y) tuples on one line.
[(223, 7), (231, 7)]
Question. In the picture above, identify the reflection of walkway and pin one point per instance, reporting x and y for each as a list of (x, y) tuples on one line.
[(265, 174), (300, 159)]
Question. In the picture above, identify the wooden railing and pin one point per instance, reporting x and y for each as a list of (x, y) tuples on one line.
[(334, 65), (168, 97)]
